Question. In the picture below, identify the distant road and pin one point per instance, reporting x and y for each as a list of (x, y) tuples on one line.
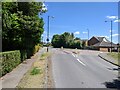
[(85, 70)]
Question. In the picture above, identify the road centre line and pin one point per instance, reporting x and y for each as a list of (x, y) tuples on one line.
[(81, 62), (78, 60), (73, 55)]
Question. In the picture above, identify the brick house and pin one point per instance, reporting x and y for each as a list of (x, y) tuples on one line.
[(101, 43)]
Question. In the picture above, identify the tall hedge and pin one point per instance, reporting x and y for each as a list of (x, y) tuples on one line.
[(9, 60)]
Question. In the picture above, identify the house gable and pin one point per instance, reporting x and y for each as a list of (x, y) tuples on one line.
[(93, 41)]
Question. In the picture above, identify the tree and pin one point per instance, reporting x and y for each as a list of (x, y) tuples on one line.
[(77, 38), (56, 41), (66, 40), (21, 26)]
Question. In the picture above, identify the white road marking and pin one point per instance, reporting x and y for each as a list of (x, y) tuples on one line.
[(76, 56), (81, 62), (78, 60), (73, 55)]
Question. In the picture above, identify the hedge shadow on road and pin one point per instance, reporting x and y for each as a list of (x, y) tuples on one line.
[(115, 84)]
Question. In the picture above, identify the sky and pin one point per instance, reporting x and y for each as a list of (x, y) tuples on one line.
[(79, 17)]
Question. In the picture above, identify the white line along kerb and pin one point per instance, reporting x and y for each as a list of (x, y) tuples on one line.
[(81, 62)]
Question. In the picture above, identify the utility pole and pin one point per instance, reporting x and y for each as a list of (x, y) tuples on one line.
[(111, 22), (48, 32), (88, 37), (111, 35), (88, 34)]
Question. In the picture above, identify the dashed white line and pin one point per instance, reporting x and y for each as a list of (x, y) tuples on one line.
[(73, 55), (76, 56), (78, 60), (81, 62)]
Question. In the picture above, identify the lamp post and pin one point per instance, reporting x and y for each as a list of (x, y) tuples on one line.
[(48, 31), (88, 36), (88, 33), (111, 31)]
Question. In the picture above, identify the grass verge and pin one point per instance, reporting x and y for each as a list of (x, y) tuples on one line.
[(115, 55), (35, 71), (35, 77)]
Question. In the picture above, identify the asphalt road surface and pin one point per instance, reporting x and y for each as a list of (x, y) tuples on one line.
[(83, 70)]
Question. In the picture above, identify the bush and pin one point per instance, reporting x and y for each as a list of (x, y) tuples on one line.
[(23, 55), (36, 49), (9, 60)]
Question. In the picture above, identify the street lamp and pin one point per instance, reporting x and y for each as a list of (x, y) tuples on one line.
[(111, 31), (88, 33), (48, 31), (88, 37)]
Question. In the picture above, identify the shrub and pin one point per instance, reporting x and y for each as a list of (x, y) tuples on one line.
[(36, 49), (23, 55), (9, 60), (35, 71)]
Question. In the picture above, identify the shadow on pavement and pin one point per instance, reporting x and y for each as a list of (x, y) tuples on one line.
[(114, 84)]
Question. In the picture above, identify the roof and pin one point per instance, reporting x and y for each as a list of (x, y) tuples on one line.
[(103, 42), (100, 38)]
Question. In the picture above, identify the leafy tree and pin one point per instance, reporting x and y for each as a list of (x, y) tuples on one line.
[(66, 40), (77, 38), (21, 26), (56, 41), (72, 35), (83, 44)]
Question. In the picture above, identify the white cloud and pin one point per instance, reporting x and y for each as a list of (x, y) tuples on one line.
[(114, 35), (44, 7), (77, 32), (112, 17), (105, 36), (44, 32), (117, 20), (112, 30), (85, 32)]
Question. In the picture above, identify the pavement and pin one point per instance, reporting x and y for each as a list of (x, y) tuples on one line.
[(12, 79), (107, 58), (83, 70)]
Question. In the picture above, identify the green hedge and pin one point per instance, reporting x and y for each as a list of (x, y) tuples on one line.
[(9, 60)]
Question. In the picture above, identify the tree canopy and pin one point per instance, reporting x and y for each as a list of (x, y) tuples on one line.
[(21, 26), (66, 40)]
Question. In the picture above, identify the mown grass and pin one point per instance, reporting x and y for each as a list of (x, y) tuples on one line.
[(44, 56), (35, 71), (115, 55), (35, 77)]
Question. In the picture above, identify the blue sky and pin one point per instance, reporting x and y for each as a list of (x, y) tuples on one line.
[(77, 17)]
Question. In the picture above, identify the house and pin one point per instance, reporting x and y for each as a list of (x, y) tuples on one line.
[(101, 43)]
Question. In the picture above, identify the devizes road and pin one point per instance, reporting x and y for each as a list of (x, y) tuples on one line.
[(83, 70)]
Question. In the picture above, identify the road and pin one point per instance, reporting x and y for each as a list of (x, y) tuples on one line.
[(83, 70)]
